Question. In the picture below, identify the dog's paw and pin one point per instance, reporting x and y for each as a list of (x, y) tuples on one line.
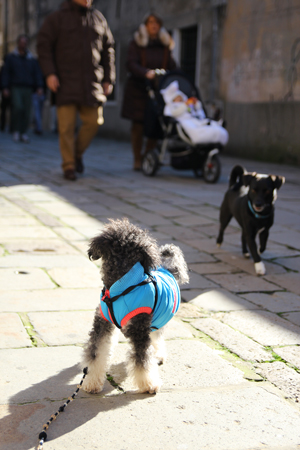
[(149, 388), (260, 268), (92, 386), (147, 380), (246, 255)]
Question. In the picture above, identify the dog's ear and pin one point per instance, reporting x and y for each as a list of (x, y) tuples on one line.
[(277, 181), (97, 247), (248, 177)]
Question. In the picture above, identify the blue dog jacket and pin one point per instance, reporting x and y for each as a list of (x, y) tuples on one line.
[(137, 292)]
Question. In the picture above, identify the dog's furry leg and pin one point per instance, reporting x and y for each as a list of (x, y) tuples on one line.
[(97, 353), (158, 342), (142, 365), (263, 238), (244, 246)]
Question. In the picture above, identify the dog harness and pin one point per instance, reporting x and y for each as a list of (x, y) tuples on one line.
[(156, 293)]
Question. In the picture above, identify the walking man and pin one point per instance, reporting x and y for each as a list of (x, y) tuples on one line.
[(76, 53), (20, 78)]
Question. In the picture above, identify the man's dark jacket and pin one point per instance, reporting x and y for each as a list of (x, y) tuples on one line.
[(76, 44), (21, 71)]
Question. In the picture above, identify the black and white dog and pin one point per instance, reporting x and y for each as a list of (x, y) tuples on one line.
[(250, 200), (140, 296)]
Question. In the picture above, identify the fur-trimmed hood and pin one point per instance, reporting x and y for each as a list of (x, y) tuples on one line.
[(141, 37)]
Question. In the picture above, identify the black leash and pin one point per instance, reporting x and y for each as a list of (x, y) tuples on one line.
[(43, 434)]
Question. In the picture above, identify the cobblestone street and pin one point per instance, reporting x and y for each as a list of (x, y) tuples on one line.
[(232, 377)]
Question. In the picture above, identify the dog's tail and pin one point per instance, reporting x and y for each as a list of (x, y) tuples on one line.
[(236, 177), (173, 260)]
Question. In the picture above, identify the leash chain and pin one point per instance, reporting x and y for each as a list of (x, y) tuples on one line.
[(43, 434)]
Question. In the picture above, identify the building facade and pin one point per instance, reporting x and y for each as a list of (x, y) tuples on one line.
[(242, 54)]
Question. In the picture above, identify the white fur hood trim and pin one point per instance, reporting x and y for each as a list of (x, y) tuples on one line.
[(141, 37)]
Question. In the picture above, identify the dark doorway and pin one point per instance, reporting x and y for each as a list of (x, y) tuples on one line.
[(188, 51)]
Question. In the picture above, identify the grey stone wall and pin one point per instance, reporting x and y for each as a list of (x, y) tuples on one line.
[(267, 131)]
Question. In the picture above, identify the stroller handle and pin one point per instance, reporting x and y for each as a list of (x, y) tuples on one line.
[(150, 84)]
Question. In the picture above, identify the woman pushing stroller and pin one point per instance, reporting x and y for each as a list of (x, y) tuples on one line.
[(150, 49)]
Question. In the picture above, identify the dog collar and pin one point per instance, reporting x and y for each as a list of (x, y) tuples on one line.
[(256, 215)]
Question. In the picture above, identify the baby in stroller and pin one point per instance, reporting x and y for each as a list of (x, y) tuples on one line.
[(191, 116)]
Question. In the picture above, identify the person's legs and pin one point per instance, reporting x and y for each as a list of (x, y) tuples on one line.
[(37, 102), (150, 144), (26, 96), (137, 143), (66, 118), (16, 110), (91, 118), (5, 104)]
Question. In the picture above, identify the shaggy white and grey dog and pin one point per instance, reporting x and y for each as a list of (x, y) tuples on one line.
[(140, 296)]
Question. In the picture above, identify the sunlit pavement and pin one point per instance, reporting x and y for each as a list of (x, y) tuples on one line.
[(232, 378)]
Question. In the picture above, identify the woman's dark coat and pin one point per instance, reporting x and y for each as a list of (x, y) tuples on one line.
[(144, 54), (77, 45)]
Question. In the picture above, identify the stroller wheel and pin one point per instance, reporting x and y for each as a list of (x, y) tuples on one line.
[(150, 163), (212, 169)]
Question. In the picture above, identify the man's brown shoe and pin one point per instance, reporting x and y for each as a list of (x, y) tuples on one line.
[(70, 175)]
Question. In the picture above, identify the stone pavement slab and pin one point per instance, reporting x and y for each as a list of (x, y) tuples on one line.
[(243, 283), (290, 354), (198, 282), (76, 277), (291, 239), (276, 302), (62, 328), (12, 332), (214, 267), (20, 278), (49, 300), (39, 246), (293, 317), (237, 260), (283, 377), (30, 232), (290, 263), (24, 220), (219, 300), (32, 374), (235, 341), (46, 261), (266, 328), (290, 281)]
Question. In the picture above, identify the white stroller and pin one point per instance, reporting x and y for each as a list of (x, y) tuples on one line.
[(193, 143)]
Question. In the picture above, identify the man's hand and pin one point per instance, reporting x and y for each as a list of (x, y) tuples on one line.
[(150, 75), (107, 88), (52, 82), (6, 93)]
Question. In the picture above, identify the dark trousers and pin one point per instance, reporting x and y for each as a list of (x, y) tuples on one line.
[(5, 105), (21, 100), (137, 140)]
